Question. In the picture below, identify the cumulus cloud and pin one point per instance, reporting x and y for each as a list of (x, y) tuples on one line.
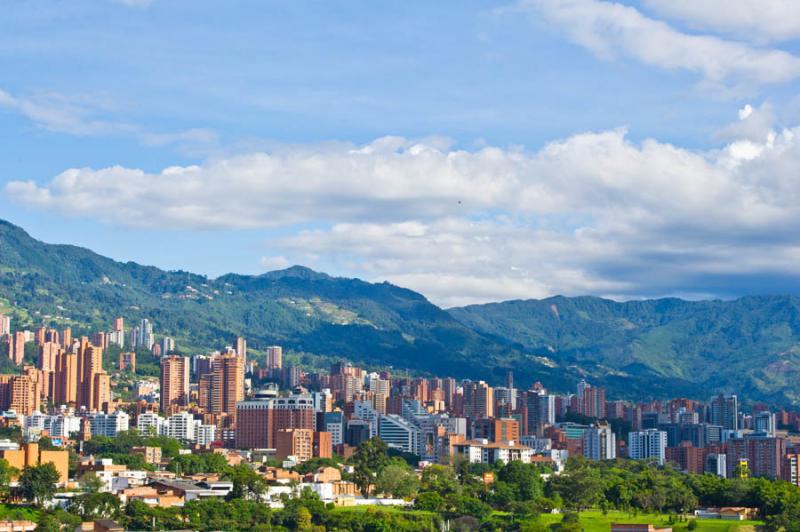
[(591, 213), (763, 20), (612, 30)]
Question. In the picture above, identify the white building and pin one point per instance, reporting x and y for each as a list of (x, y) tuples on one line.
[(181, 426), (399, 433), (486, 452), (599, 443), (109, 424), (149, 423), (205, 434), (364, 411), (647, 444), (65, 425)]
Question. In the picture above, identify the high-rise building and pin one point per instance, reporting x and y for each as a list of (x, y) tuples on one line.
[(648, 444), (142, 336), (689, 458), (716, 464), (333, 423), (65, 379), (599, 443), (764, 422), (254, 424), (590, 400), (119, 324), (5, 325), (109, 424), (93, 383), (20, 393), (167, 345), (399, 434), (223, 387), (496, 430), (274, 357), (540, 410), (724, 411), (298, 443), (763, 455), (16, 351), (258, 421), (48, 352), (241, 349), (791, 468), (478, 399), (127, 361), (174, 383), (66, 338)]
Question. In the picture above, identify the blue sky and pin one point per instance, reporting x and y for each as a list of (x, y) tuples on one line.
[(474, 151)]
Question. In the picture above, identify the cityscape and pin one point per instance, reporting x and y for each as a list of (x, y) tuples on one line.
[(300, 433), (435, 266)]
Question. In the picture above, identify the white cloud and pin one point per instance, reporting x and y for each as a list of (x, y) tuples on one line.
[(82, 116), (611, 30), (763, 20), (592, 213), (275, 263)]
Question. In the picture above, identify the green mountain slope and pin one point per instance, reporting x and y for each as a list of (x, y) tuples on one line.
[(303, 310), (639, 349), (750, 345)]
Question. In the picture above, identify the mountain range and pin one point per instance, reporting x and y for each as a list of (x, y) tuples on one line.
[(637, 349)]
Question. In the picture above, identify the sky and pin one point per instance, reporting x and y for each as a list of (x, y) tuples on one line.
[(473, 151)]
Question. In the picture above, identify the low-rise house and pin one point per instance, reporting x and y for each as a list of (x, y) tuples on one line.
[(151, 496), (486, 452), (190, 490), (17, 526)]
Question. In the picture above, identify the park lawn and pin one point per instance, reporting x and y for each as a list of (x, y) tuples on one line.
[(595, 521)]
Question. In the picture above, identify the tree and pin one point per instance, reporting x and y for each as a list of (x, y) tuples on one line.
[(92, 506), (91, 483), (368, 460), (440, 478), (397, 480), (6, 472), (579, 488), (38, 484), (303, 519), (247, 484), (430, 501)]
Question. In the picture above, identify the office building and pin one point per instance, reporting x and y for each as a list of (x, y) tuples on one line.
[(495, 430), (167, 345), (108, 424), (174, 383), (478, 400), (762, 454), (599, 443), (274, 357), (297, 443), (647, 445), (724, 411), (399, 434), (223, 387)]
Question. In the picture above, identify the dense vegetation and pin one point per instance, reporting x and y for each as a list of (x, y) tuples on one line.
[(640, 349), (300, 309), (750, 346), (513, 496)]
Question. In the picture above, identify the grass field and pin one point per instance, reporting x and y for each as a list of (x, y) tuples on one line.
[(595, 521), (11, 512)]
